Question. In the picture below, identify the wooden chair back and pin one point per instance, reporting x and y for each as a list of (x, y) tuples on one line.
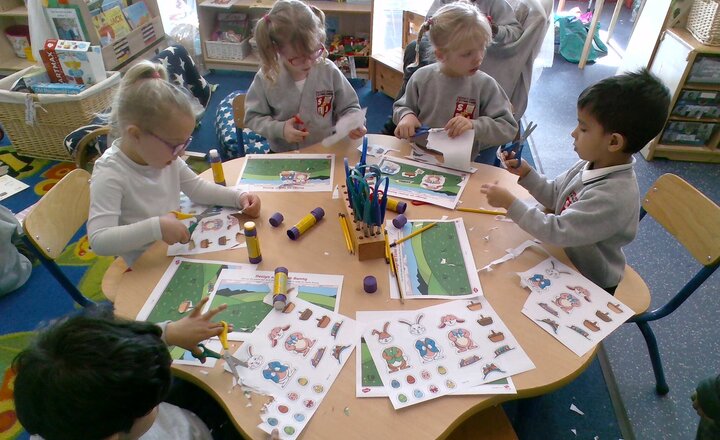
[(687, 214), (84, 156), (238, 105), (411, 26), (57, 216)]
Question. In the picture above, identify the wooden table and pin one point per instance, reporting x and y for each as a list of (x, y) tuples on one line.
[(322, 250)]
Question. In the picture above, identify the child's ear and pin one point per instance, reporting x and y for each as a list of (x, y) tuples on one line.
[(133, 131), (617, 143), (439, 55)]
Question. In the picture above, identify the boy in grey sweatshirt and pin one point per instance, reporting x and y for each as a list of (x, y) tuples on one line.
[(594, 206)]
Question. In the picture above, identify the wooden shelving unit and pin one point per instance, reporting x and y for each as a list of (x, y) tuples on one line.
[(353, 19), (12, 12), (674, 61)]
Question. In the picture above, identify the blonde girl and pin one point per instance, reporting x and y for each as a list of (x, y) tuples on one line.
[(298, 94), (137, 181), (454, 93)]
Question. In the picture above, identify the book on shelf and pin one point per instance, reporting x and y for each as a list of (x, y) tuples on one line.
[(68, 23), (116, 20), (137, 14)]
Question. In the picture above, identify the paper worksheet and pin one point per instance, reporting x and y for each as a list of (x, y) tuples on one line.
[(287, 172), (457, 151), (368, 382), (248, 295), (212, 229), (570, 307), (295, 355), (437, 263), (10, 186), (427, 353)]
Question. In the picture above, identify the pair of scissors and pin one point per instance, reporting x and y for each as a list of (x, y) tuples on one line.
[(299, 124), (424, 130), (516, 147), (231, 361), (206, 353)]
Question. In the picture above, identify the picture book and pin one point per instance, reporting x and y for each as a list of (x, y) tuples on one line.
[(68, 23), (104, 30), (137, 14), (80, 62), (116, 20)]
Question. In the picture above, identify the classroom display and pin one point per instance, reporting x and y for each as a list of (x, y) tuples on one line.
[(428, 353), (426, 183), (570, 307), (437, 263), (294, 356), (288, 172)]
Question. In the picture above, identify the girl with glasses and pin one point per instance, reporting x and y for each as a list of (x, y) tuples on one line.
[(137, 181), (297, 95)]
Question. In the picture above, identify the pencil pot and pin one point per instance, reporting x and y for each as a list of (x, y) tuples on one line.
[(38, 123)]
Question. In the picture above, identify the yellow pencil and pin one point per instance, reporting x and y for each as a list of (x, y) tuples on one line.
[(412, 234), (482, 211), (343, 228), (387, 246), (393, 269), (349, 231)]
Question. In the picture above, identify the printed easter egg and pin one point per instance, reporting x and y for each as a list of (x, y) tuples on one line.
[(308, 403), (395, 384), (418, 394), (272, 421), (442, 370), (318, 388), (293, 396), (283, 409), (410, 380), (299, 417), (303, 381), (450, 384), (402, 398), (289, 430), (433, 389), (425, 374)]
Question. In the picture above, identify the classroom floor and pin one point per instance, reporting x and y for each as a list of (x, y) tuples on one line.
[(688, 340)]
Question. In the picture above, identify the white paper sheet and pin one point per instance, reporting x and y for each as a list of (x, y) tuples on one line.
[(10, 186), (347, 123), (457, 151), (292, 172)]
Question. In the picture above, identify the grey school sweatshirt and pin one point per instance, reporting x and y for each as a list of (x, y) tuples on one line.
[(502, 15), (435, 98), (594, 214), (325, 97)]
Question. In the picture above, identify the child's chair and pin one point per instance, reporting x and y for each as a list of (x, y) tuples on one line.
[(694, 220), (54, 220), (234, 139)]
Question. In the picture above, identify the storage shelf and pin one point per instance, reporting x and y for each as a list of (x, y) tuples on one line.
[(702, 86), (687, 153), (688, 119), (14, 64), (19, 11), (325, 6)]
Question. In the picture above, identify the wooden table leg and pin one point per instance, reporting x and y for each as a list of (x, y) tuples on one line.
[(613, 21)]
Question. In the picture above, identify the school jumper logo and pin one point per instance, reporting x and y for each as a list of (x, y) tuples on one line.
[(465, 107), (323, 102), (569, 200)]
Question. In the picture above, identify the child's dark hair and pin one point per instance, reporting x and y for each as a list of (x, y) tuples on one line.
[(634, 105), (90, 376)]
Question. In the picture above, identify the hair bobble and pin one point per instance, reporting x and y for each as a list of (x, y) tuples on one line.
[(429, 22), (266, 18), (155, 75)]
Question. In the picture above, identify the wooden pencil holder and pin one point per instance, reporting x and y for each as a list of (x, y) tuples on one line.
[(366, 248)]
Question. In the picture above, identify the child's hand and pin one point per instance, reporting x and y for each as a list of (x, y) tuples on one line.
[(173, 230), (457, 126), (497, 196), (358, 133), (250, 204), (407, 126), (189, 331), (292, 134), (508, 159)]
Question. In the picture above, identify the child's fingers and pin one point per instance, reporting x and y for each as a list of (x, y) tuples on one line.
[(212, 312), (199, 306)]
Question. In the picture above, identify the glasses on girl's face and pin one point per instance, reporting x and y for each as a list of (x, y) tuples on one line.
[(300, 60), (176, 149)]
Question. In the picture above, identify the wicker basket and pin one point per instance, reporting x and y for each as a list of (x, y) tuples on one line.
[(704, 21), (55, 116), (221, 50)]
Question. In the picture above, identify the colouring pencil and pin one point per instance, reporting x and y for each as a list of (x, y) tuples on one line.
[(482, 211), (343, 228), (412, 234), (349, 231), (393, 269)]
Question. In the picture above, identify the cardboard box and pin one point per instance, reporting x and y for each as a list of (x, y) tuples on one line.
[(81, 63)]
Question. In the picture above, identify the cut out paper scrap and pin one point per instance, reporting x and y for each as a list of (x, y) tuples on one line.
[(248, 295), (296, 357), (368, 382), (437, 263), (570, 307), (287, 172), (184, 283), (344, 125), (513, 253), (376, 150), (214, 229), (427, 183), (10, 186), (442, 349), (576, 409), (457, 151)]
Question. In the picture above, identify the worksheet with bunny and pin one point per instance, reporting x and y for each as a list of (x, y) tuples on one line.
[(295, 355), (570, 307), (211, 229), (427, 353)]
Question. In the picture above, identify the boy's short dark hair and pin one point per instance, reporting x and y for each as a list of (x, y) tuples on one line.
[(89, 376), (633, 104)]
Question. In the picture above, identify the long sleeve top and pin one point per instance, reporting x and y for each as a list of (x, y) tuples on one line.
[(435, 98), (509, 29), (127, 200), (326, 96), (594, 214)]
